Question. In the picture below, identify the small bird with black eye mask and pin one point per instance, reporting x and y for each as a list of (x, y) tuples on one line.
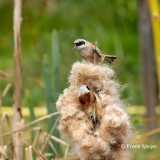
[(91, 53)]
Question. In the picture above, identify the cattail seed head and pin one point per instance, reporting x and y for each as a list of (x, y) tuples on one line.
[(113, 128)]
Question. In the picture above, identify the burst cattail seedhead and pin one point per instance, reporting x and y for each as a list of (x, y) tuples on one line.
[(113, 129)]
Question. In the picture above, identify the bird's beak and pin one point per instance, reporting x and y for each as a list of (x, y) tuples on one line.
[(74, 47)]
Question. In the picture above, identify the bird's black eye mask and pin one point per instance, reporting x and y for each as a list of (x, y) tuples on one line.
[(80, 43), (88, 88)]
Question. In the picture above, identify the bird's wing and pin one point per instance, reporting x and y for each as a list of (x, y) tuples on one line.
[(91, 111), (94, 113), (97, 51)]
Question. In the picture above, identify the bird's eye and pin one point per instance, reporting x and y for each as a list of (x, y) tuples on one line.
[(82, 42), (88, 88)]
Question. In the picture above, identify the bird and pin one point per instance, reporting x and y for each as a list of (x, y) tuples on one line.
[(89, 103), (91, 53)]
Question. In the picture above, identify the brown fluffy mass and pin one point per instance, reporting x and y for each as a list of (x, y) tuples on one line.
[(113, 129)]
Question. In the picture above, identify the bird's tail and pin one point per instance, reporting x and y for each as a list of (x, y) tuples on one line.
[(110, 58)]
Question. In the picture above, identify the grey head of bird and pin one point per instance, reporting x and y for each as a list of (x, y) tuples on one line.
[(80, 44), (83, 89)]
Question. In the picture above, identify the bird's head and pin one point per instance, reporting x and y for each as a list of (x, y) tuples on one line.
[(80, 44), (83, 89)]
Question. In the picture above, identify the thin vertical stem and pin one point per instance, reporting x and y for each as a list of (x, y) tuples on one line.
[(155, 18), (17, 114)]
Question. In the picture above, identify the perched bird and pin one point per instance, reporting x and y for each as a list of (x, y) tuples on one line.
[(89, 103), (91, 53)]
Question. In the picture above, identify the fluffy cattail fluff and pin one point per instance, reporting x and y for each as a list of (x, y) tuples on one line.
[(113, 129)]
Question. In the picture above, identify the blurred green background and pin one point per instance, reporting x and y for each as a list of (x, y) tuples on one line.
[(114, 24)]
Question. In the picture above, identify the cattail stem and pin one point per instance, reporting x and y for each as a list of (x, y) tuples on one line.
[(17, 114), (155, 18)]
